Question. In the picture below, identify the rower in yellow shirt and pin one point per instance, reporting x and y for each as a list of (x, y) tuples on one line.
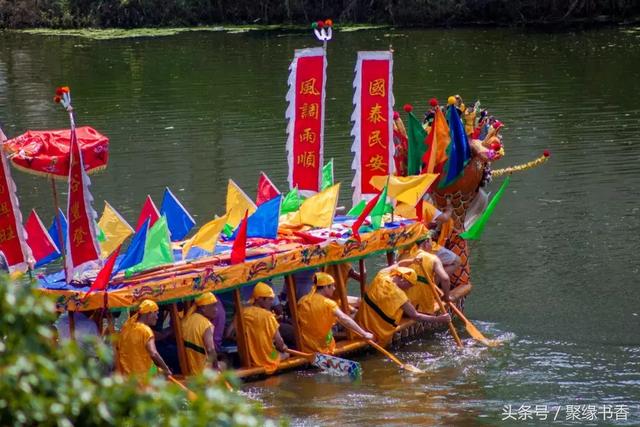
[(266, 346), (317, 313), (385, 301), (428, 268), (137, 346), (197, 331)]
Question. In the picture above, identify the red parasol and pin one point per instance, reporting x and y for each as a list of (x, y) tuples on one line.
[(46, 152)]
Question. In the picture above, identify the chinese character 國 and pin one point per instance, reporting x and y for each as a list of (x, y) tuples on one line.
[(377, 87)]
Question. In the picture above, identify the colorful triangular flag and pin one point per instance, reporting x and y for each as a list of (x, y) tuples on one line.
[(416, 136), (157, 248), (104, 276), (438, 141), (264, 221), (55, 234), (179, 221), (114, 230), (379, 209), (237, 204), (291, 202), (266, 189), (319, 209), (207, 237), (43, 248), (149, 210), (135, 251), (405, 189), (475, 231), (363, 215), (239, 248), (327, 175), (458, 152), (357, 209)]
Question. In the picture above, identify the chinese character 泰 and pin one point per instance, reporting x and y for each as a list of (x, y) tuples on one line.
[(377, 163), (307, 159), (376, 87), (309, 111), (308, 87), (375, 114), (308, 135), (78, 236), (376, 139)]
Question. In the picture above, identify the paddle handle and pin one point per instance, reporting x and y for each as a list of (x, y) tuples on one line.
[(452, 328), (385, 352), (190, 395), (299, 353)]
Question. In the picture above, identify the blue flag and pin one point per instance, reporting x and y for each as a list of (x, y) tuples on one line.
[(135, 251), (179, 221), (53, 232), (459, 151), (264, 221)]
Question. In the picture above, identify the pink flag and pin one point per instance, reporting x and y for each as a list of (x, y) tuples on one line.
[(266, 189), (12, 237), (39, 239), (82, 246), (149, 210)]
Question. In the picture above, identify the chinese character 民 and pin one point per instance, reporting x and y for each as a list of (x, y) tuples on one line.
[(308, 87), (376, 87), (377, 163), (308, 135), (375, 114), (309, 111), (376, 139), (307, 159)]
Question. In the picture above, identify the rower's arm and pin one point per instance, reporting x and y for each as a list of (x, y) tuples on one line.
[(348, 322), (155, 356), (279, 342), (411, 312), (443, 278), (210, 347)]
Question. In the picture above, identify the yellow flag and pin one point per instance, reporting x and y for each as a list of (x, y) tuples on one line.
[(207, 237), (405, 189), (319, 209), (407, 211), (115, 230), (237, 204)]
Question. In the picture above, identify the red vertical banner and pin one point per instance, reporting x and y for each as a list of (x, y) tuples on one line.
[(373, 121), (12, 236), (82, 246), (305, 141)]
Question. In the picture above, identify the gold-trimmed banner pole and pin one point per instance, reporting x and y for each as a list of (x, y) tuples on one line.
[(519, 168)]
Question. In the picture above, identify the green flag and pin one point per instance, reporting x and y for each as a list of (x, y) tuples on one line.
[(227, 230), (475, 231), (416, 135), (157, 248), (357, 209), (327, 176), (379, 209), (291, 202)]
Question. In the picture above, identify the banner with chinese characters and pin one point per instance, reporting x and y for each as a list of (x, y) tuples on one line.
[(305, 141), (12, 236), (82, 246), (373, 121)]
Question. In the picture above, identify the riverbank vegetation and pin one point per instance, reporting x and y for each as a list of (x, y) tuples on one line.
[(180, 13), (45, 384)]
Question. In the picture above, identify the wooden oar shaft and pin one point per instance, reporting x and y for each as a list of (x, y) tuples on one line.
[(191, 395), (299, 353), (452, 328), (385, 352)]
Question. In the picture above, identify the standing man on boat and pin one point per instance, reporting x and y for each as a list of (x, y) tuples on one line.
[(197, 331), (137, 346), (265, 345), (317, 313), (428, 268), (384, 303)]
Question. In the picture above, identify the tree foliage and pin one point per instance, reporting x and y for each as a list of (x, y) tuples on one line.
[(139, 13), (45, 384)]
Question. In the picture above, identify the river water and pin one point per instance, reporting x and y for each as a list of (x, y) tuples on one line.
[(556, 273)]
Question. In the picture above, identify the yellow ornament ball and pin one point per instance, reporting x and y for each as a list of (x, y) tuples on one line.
[(451, 100)]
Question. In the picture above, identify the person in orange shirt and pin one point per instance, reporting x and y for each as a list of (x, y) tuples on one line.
[(265, 345), (385, 302), (197, 331), (317, 313), (137, 346)]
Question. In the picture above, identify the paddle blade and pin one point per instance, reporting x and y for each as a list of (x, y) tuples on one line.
[(413, 369), (337, 366), (477, 335)]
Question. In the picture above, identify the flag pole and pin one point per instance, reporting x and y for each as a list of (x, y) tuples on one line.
[(56, 207)]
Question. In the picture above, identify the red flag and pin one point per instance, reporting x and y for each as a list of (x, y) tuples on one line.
[(104, 276), (308, 238), (367, 209), (149, 210), (239, 249), (266, 189), (38, 239), (82, 246), (420, 210)]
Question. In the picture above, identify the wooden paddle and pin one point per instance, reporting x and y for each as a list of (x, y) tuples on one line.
[(471, 329), (397, 361), (452, 329), (190, 395)]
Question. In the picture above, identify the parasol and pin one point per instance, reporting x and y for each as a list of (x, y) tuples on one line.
[(46, 152)]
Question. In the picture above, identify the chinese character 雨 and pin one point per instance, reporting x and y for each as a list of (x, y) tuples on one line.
[(308, 135), (306, 159), (376, 87), (376, 139), (309, 110), (375, 114), (377, 163), (308, 87)]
